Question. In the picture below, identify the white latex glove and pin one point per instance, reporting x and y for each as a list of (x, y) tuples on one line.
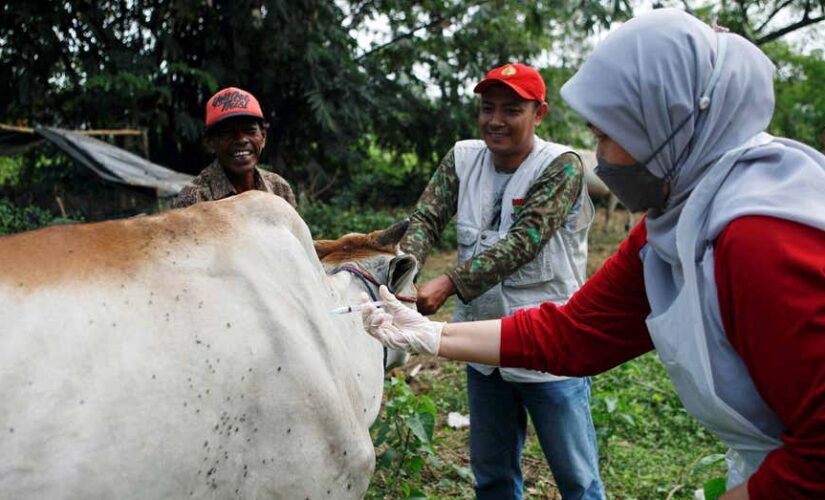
[(399, 327)]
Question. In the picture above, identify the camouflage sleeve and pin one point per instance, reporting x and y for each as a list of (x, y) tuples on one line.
[(282, 189), (434, 209), (546, 205)]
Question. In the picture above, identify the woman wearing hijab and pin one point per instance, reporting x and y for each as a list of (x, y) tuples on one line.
[(725, 276)]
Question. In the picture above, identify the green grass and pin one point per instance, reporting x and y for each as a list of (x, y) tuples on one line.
[(649, 447)]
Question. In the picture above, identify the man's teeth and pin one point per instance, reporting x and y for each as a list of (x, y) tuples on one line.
[(241, 154)]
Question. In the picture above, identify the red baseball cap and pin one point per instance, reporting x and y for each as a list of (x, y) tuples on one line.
[(524, 80), (229, 103)]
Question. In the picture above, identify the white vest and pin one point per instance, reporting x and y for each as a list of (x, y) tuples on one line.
[(553, 275)]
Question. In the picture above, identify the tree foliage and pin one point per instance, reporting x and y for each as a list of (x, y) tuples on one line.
[(761, 21), (800, 94), (334, 90), (331, 93)]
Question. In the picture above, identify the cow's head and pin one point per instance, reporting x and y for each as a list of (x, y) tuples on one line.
[(375, 253), (374, 259)]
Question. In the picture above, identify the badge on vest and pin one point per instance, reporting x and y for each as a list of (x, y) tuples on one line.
[(517, 204)]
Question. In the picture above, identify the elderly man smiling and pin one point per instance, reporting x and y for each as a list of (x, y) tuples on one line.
[(235, 135)]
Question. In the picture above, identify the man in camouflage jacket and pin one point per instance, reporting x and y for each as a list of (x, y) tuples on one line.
[(236, 135), (523, 216)]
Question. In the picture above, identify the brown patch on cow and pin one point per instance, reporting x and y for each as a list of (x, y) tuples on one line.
[(356, 246), (82, 252)]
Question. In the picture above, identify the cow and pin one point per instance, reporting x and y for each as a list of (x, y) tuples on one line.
[(191, 354)]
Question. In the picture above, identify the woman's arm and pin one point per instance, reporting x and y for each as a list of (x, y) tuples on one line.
[(476, 341), (601, 326)]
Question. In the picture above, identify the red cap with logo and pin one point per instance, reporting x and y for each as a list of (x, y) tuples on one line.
[(229, 103), (524, 80)]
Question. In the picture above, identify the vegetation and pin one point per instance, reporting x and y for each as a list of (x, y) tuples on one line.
[(334, 85), (800, 100), (16, 219), (403, 436), (364, 96), (330, 95), (761, 22)]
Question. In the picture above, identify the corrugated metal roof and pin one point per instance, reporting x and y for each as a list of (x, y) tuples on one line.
[(109, 162)]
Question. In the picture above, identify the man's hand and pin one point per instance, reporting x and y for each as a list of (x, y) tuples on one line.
[(432, 294)]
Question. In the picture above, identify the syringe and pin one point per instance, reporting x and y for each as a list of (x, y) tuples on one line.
[(355, 307)]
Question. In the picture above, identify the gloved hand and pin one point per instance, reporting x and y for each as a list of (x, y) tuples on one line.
[(399, 327)]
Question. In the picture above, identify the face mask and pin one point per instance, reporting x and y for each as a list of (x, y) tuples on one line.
[(635, 186)]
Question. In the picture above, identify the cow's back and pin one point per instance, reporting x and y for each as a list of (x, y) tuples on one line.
[(185, 354)]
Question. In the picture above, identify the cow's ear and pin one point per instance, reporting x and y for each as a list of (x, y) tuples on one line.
[(324, 248), (393, 234), (402, 272)]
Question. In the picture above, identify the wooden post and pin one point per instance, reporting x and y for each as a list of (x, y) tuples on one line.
[(62, 208)]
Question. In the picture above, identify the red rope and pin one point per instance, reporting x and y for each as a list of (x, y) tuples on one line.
[(371, 279)]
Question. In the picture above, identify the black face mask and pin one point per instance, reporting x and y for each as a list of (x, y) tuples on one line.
[(635, 186)]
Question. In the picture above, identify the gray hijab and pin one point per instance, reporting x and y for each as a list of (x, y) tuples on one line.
[(648, 76)]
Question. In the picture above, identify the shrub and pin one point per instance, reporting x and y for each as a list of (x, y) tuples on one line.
[(14, 219), (384, 179), (328, 221), (403, 438)]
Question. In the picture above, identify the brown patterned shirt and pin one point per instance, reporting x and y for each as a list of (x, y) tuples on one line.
[(547, 203), (213, 184)]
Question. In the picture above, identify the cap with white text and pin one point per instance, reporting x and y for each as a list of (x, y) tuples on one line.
[(229, 103)]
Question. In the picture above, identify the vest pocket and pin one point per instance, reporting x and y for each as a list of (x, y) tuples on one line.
[(537, 270), (466, 237)]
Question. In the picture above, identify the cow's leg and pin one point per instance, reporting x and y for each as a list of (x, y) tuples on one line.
[(612, 201), (394, 358), (631, 221)]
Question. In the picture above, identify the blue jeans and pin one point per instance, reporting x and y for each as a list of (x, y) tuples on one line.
[(560, 411)]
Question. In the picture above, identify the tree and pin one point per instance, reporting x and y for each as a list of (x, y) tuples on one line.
[(151, 64), (761, 21), (332, 100), (800, 94)]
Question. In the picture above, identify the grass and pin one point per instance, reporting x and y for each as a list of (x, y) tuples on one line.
[(649, 447)]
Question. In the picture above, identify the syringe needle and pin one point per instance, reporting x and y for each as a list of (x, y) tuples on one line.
[(355, 307)]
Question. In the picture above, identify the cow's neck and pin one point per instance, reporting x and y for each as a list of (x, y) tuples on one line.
[(363, 351)]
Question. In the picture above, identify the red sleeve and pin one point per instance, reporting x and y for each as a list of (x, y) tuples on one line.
[(602, 325), (770, 278)]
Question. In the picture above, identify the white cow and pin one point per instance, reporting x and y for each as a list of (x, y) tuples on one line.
[(189, 354)]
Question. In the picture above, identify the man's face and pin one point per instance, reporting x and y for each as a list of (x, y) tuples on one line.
[(507, 122), (237, 143)]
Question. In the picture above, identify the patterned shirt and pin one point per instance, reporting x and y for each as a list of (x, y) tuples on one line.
[(213, 184), (546, 205)]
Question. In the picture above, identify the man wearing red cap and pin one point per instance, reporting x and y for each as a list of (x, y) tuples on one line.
[(235, 135), (522, 220)]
